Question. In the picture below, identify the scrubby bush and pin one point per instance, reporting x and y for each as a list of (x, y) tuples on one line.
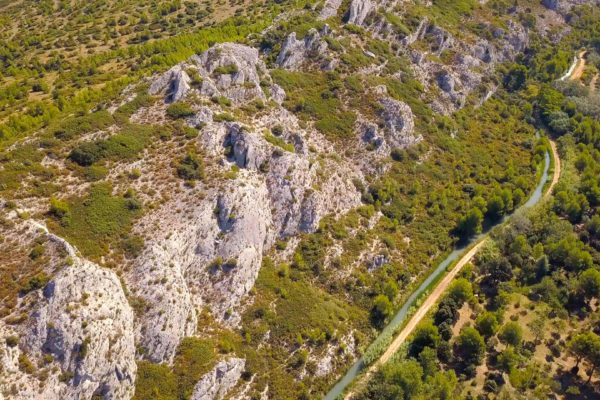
[(190, 168), (179, 110)]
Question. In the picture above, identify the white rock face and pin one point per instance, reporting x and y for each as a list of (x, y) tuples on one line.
[(359, 10), (174, 84), (180, 269), (230, 70), (399, 123), (330, 9), (82, 320), (215, 384), (210, 254), (295, 52)]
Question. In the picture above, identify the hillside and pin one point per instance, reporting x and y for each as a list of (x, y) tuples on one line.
[(220, 199)]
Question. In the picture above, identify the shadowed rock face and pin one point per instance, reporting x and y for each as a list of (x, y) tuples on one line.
[(399, 123), (565, 5), (175, 84)]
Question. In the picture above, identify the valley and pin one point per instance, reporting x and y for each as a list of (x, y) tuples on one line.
[(267, 200)]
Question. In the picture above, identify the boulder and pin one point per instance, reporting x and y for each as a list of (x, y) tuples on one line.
[(230, 70)]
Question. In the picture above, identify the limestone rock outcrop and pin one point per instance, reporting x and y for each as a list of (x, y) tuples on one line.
[(175, 84), (81, 325), (399, 123), (295, 52), (211, 257), (215, 384), (230, 70), (359, 11), (330, 9)]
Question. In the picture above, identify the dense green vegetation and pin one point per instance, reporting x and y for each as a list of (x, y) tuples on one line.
[(534, 321), (316, 96), (76, 83), (194, 358), (96, 222)]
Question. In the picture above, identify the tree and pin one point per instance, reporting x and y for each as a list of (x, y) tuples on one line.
[(515, 78), (470, 346), (538, 325), (511, 334), (382, 309), (390, 289), (426, 335), (589, 283), (593, 354), (508, 359), (407, 375), (578, 347), (497, 269), (460, 291), (495, 208), (441, 386), (470, 224), (429, 361), (487, 324)]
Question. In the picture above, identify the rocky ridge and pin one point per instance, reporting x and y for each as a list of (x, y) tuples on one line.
[(81, 326)]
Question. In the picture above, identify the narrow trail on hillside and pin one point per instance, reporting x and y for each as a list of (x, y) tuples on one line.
[(557, 169), (578, 71), (439, 290)]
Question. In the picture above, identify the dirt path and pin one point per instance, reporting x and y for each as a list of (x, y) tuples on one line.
[(578, 71), (439, 290), (557, 169)]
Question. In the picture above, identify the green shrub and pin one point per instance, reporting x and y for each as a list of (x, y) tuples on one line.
[(279, 142), (155, 382), (316, 97), (194, 358), (122, 146), (36, 252), (95, 173), (98, 220), (133, 246), (73, 127), (26, 365), (221, 100), (60, 210), (223, 117), (12, 341), (179, 110), (226, 69), (190, 168)]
